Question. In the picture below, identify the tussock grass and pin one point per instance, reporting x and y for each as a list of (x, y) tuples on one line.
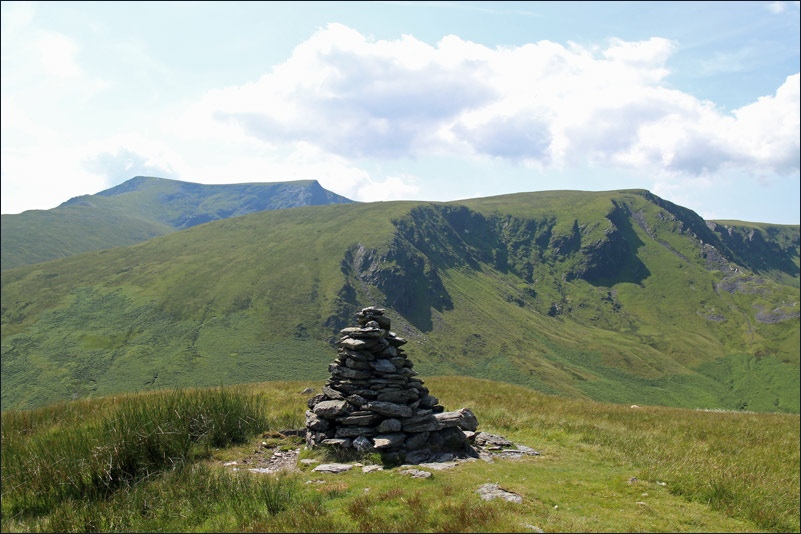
[(63, 453), (602, 468), (732, 462)]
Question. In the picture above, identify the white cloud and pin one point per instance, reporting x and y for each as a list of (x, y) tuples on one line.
[(647, 54), (343, 101), (355, 98), (15, 123), (765, 134), (542, 104), (57, 55), (39, 63), (696, 139), (397, 187), (44, 177), (120, 163), (19, 15), (777, 7)]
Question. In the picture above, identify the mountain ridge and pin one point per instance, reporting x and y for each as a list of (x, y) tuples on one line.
[(141, 208), (613, 296)]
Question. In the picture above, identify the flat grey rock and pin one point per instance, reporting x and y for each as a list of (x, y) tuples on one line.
[(493, 491), (333, 468)]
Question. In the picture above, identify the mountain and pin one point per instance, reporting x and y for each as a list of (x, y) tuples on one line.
[(140, 209), (616, 296)]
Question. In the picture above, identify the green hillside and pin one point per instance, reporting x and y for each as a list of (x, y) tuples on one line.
[(139, 209), (613, 296)]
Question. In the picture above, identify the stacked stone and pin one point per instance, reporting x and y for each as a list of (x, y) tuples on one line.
[(373, 401)]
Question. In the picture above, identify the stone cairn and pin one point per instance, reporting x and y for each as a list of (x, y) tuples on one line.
[(372, 402)]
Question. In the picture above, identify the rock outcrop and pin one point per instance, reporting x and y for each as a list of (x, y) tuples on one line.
[(373, 401)]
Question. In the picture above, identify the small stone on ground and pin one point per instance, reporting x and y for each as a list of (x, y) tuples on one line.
[(494, 491), (333, 468)]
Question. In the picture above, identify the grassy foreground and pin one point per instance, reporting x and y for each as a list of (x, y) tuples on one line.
[(153, 462)]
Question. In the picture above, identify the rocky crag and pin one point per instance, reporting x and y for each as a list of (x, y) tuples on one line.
[(373, 402)]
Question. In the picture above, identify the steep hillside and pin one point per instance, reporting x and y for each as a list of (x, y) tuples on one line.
[(613, 296), (769, 249), (139, 209)]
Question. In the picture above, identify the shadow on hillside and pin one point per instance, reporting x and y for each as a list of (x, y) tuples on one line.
[(409, 283), (615, 260)]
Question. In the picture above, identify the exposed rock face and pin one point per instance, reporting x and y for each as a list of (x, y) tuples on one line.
[(373, 401)]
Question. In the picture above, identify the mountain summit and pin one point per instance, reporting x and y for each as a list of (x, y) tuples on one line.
[(142, 208)]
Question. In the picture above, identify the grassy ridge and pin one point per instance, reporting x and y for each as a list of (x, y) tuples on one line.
[(43, 235), (602, 468)]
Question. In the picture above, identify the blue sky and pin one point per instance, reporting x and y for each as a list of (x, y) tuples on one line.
[(697, 102)]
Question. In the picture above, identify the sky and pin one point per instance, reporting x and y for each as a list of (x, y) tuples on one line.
[(697, 102)]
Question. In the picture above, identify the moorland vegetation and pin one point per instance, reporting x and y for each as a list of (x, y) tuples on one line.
[(161, 462)]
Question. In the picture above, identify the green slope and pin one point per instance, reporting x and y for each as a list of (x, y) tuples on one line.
[(43, 235), (613, 296)]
